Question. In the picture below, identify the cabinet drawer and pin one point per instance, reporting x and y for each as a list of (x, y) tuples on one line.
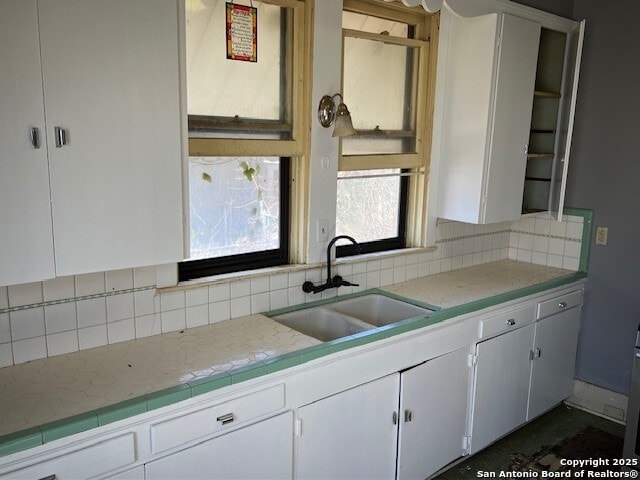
[(558, 304), (507, 321), (89, 462), (177, 431)]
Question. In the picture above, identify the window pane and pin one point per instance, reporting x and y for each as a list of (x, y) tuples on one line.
[(368, 208), (220, 87), (234, 205), (371, 24), (378, 89)]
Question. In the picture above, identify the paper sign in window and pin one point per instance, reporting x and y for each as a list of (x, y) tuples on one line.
[(242, 33)]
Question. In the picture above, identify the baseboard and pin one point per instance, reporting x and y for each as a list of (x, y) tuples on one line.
[(599, 401)]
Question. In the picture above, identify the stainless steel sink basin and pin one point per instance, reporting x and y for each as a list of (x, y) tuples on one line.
[(322, 323), (378, 310), (347, 317)]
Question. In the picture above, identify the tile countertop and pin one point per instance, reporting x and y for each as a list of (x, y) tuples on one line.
[(120, 380)]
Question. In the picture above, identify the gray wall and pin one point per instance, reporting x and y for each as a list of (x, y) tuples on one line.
[(564, 8), (604, 175)]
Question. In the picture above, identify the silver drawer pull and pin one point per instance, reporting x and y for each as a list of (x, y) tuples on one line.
[(511, 322), (408, 416), (225, 419), (562, 304), (394, 418), (34, 135), (61, 136)]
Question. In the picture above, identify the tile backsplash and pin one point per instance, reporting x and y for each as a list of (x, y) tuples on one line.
[(68, 314)]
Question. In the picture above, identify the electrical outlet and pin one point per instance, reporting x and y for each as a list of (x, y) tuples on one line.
[(602, 234)]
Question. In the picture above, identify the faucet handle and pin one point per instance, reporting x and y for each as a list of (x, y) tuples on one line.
[(338, 281)]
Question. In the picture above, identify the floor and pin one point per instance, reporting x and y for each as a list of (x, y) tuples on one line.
[(549, 429)]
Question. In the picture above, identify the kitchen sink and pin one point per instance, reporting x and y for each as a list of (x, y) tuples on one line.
[(322, 323), (378, 310), (347, 317)]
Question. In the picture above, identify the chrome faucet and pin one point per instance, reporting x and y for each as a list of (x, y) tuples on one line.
[(332, 282)]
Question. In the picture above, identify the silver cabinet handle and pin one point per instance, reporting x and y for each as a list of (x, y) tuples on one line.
[(394, 418), (34, 136), (562, 304), (511, 322), (408, 416), (61, 136), (535, 353), (226, 418), (637, 354)]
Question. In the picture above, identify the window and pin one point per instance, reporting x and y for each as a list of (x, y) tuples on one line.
[(245, 137), (388, 86)]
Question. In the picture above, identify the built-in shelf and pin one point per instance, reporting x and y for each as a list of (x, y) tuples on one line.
[(540, 155), (542, 131), (540, 93), (536, 179)]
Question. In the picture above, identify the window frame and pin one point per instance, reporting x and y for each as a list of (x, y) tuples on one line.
[(293, 153), (414, 165)]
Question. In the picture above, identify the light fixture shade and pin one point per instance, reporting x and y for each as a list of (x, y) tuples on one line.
[(343, 124)]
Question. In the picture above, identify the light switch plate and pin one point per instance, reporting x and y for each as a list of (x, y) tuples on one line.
[(323, 230)]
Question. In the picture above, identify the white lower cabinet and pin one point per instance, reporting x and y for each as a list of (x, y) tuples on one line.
[(407, 425), (262, 450), (522, 374)]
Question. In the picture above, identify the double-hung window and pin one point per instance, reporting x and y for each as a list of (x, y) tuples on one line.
[(245, 131), (388, 85)]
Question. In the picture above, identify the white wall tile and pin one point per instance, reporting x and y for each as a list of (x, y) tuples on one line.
[(146, 302), (172, 301), (119, 280), (240, 288), (554, 260), (539, 258), (90, 284), (197, 316), (572, 249), (399, 274), (373, 279), (296, 295), (570, 263), (386, 263), (359, 267), (27, 323), (63, 342), (445, 265), (259, 285), (197, 296), (220, 292), (240, 306), (167, 275), (278, 299), (260, 302), (59, 288), (147, 325), (574, 230), (6, 355), (423, 268), (279, 281), (386, 276), (297, 278), (542, 226), (144, 276), (557, 229), (435, 266), (25, 294), (219, 311), (456, 263), (60, 318), (4, 297), (173, 320), (524, 256), (361, 280), (527, 225), (513, 253), (92, 337), (121, 331), (91, 312), (29, 349), (119, 307), (5, 328), (540, 244), (373, 265), (525, 241)]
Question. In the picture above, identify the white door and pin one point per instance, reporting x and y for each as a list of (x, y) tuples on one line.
[(555, 347), (350, 435), (111, 82), (501, 386), (26, 237), (433, 414), (512, 102), (263, 450)]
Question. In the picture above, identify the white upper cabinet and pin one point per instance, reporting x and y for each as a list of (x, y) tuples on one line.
[(111, 78), (26, 236), (488, 94)]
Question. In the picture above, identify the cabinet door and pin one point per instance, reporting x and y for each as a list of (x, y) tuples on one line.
[(501, 386), (555, 346), (111, 81), (26, 241), (433, 414), (352, 434), (263, 450), (512, 102)]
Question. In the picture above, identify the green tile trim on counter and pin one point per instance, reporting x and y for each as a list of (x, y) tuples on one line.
[(168, 396), (587, 228), (22, 440), (282, 362), (209, 384), (69, 426), (314, 352), (248, 372), (122, 410)]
